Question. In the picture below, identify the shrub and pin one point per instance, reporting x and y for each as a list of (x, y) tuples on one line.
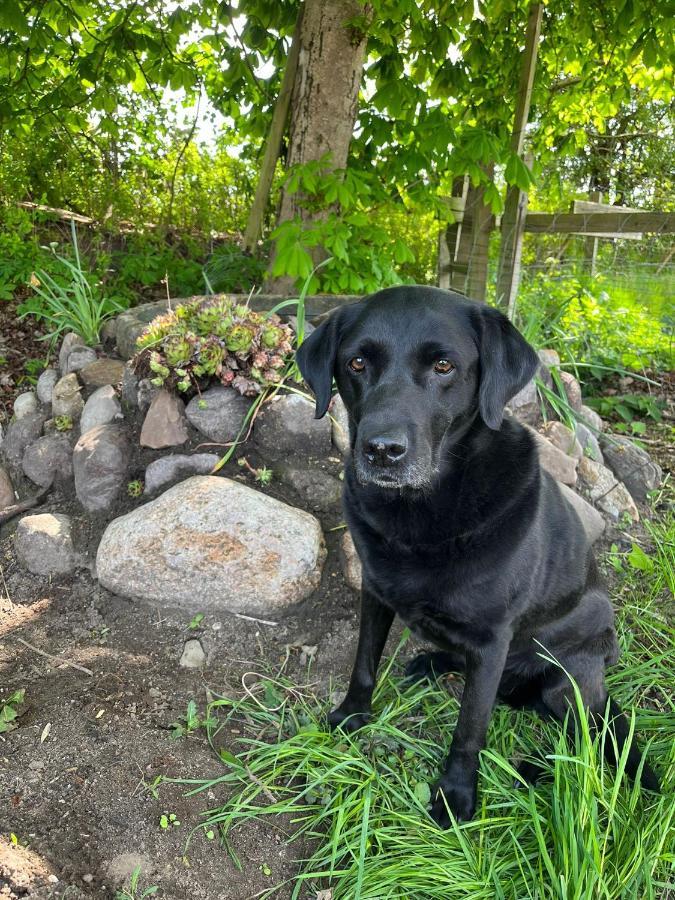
[(232, 269), (593, 324), (214, 339)]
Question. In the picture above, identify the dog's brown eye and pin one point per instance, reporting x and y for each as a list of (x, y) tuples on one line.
[(443, 366), (357, 364)]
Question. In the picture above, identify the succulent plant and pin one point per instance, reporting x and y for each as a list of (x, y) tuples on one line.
[(135, 488), (63, 423), (217, 338)]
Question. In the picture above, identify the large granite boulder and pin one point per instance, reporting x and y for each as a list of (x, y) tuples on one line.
[(210, 543)]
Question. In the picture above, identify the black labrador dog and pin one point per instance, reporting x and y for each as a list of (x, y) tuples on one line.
[(458, 529)]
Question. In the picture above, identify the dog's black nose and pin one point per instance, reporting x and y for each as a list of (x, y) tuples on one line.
[(385, 449)]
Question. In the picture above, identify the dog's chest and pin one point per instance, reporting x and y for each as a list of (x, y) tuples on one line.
[(440, 596)]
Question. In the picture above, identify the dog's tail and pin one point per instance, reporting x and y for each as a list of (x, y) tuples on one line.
[(621, 729)]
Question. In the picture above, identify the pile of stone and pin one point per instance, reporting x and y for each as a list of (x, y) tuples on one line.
[(200, 540)]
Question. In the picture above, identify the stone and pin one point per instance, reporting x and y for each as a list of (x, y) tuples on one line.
[(78, 358), (287, 425), (177, 466), (572, 390), (525, 405), (70, 341), (605, 491), (308, 327), (632, 465), (351, 564), (211, 544), (7, 497), (319, 489), (102, 371), (590, 418), (25, 404), (66, 399), (133, 322), (339, 424), (549, 358), (193, 656), (589, 442), (145, 394), (563, 438), (19, 435), (219, 413), (44, 544), (101, 408), (129, 388), (591, 519), (558, 464), (164, 424), (109, 331), (100, 461), (49, 459), (45, 385)]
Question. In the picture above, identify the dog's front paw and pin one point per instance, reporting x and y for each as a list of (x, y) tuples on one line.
[(347, 720), (455, 796)]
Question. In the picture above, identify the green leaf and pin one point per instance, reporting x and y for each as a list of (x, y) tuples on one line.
[(13, 18), (638, 559), (423, 792)]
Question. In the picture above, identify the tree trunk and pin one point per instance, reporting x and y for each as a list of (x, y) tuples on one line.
[(273, 143), (325, 100)]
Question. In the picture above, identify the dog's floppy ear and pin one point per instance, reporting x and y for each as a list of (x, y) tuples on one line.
[(316, 360), (507, 363)]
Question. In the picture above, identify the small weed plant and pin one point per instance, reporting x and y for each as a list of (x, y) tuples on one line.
[(73, 301), (9, 710), (133, 891)]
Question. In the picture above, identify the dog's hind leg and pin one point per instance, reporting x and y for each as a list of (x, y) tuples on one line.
[(432, 666), (588, 673)]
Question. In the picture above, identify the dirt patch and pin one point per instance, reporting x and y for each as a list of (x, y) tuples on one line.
[(80, 800), (19, 342)]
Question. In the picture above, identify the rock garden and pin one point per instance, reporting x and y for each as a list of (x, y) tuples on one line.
[(172, 523)]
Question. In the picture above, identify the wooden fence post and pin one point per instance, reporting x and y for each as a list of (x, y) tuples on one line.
[(449, 237), (513, 220), (463, 251), (481, 226), (591, 243)]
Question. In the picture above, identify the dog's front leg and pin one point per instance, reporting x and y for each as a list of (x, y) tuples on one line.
[(457, 785), (376, 619)]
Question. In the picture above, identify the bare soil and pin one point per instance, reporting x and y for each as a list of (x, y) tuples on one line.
[(77, 797)]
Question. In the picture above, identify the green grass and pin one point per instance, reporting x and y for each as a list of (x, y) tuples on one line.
[(360, 802), (597, 324)]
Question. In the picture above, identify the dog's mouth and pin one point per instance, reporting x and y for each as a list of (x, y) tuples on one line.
[(413, 476)]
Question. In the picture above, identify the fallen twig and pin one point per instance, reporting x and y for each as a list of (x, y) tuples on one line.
[(253, 619), (10, 511), (58, 659)]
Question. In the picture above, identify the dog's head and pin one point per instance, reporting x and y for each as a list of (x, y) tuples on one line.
[(415, 367)]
